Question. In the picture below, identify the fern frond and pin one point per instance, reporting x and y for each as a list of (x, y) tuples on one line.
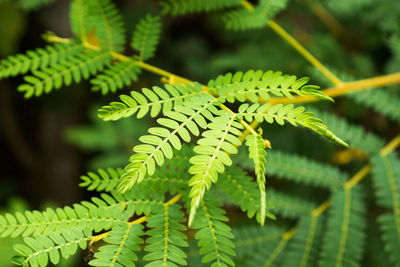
[(153, 101), (172, 178), (289, 206), (140, 201), (389, 224), (122, 242), (243, 191), (212, 155), (303, 248), (117, 76), (79, 14), (344, 8), (386, 177), (273, 254), (258, 153), (30, 5), (250, 240), (182, 7), (380, 100), (74, 69), (255, 85), (281, 113), (344, 239), (303, 170), (39, 58), (158, 145), (355, 135), (108, 24), (103, 180), (99, 214), (243, 19), (213, 235), (146, 37), (41, 250), (166, 238)]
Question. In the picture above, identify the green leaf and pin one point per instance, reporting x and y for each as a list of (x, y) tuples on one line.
[(205, 169), (146, 36), (258, 153)]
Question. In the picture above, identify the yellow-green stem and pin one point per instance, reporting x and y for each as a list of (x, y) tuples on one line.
[(296, 45), (343, 88), (142, 219)]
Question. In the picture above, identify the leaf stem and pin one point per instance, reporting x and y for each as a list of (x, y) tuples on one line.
[(344, 88), (361, 174), (296, 45), (140, 220)]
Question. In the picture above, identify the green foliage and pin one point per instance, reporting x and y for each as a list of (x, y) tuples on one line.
[(74, 70), (347, 7), (146, 37), (100, 213), (253, 239), (303, 248), (381, 100), (105, 180), (155, 150), (166, 238), (181, 7), (117, 76), (300, 169), (258, 154), (41, 249), (39, 58), (254, 85), (261, 15), (121, 243), (355, 135), (213, 234), (289, 206), (30, 5), (212, 155), (242, 191), (281, 113), (389, 224), (108, 24), (153, 100), (387, 182), (78, 16), (140, 207), (343, 241)]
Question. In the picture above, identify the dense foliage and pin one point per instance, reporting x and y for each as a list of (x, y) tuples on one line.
[(205, 150)]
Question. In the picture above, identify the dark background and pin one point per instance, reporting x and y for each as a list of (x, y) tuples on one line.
[(46, 143)]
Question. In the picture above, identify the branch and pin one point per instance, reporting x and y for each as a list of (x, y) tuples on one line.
[(296, 45), (344, 88), (142, 219), (361, 174), (172, 78)]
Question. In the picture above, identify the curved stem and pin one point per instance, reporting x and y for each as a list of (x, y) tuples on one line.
[(296, 45), (142, 219), (344, 88)]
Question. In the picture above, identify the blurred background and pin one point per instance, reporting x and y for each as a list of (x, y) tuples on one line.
[(46, 143)]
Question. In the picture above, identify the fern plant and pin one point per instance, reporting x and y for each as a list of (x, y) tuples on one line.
[(191, 165)]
